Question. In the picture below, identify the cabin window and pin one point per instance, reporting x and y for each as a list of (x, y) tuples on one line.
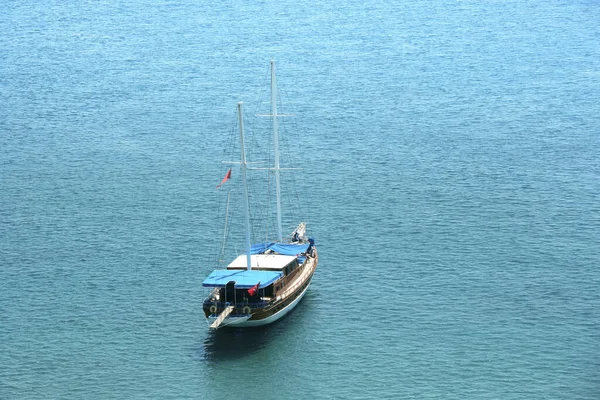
[(268, 291), (291, 266)]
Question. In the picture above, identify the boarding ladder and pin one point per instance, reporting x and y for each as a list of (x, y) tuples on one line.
[(221, 317)]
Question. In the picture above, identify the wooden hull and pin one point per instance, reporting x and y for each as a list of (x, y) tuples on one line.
[(284, 302), (252, 320)]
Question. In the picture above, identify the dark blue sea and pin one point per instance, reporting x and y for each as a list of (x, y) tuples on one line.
[(450, 155)]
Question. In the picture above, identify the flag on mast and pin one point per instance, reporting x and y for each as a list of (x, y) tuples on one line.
[(227, 177)]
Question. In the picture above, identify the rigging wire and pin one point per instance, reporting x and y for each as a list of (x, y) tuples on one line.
[(228, 153), (261, 215), (286, 139)]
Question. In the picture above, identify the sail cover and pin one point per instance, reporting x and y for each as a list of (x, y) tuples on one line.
[(289, 249), (243, 279), (286, 249), (260, 248)]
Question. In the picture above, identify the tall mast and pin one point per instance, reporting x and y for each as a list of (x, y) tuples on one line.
[(276, 145), (245, 185)]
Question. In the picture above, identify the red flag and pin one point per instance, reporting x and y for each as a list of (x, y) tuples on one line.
[(227, 176), (253, 289)]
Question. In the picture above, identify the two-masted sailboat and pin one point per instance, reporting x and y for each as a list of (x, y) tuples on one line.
[(264, 284)]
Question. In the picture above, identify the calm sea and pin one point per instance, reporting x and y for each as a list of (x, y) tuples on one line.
[(451, 179)]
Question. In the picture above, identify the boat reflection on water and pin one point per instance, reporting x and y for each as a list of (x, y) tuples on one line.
[(229, 344)]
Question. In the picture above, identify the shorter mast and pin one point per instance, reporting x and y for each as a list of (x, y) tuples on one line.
[(245, 185), (276, 151)]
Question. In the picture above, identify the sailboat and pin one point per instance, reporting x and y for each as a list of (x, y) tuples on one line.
[(266, 282)]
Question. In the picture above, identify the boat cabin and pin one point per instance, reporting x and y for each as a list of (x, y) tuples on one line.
[(273, 267), (265, 262)]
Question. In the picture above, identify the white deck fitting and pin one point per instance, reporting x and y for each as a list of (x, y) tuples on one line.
[(271, 262)]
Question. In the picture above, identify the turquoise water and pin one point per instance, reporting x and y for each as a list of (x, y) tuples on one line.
[(451, 180)]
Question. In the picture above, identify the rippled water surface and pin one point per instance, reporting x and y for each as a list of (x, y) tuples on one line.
[(451, 179)]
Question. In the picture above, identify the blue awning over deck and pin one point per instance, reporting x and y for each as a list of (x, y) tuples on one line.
[(244, 279)]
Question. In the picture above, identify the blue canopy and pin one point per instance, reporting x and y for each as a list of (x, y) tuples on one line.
[(286, 249), (244, 279), (260, 248)]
